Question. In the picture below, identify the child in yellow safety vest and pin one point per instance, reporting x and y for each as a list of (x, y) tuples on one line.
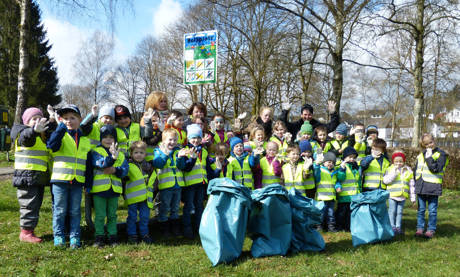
[(429, 174), (270, 166), (220, 162), (326, 185), (281, 137), (109, 167), (31, 172), (306, 133), (169, 160), (220, 135), (69, 151), (349, 184), (374, 166), (139, 187), (127, 130), (306, 152), (241, 163), (175, 122), (295, 171), (93, 122), (339, 143), (357, 139), (400, 184)]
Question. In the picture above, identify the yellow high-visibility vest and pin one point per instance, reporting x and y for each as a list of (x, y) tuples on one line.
[(103, 182), (35, 157)]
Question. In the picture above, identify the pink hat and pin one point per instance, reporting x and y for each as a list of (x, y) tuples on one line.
[(29, 113)]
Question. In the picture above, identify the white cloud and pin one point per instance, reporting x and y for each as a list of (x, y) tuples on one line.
[(167, 12), (66, 39)]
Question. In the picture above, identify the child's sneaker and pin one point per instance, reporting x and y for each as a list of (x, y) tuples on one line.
[(59, 242), (99, 241), (419, 233), (429, 234), (113, 240), (75, 243), (133, 239), (29, 236)]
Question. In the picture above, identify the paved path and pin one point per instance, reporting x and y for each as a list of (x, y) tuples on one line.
[(6, 170)]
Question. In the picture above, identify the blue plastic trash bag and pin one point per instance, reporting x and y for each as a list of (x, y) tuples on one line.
[(306, 214), (224, 221), (369, 217), (270, 221)]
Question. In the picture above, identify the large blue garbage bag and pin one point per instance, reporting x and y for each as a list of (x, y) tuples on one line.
[(369, 217), (306, 214), (224, 221), (270, 220)]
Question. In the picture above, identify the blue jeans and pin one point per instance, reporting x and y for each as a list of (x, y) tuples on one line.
[(395, 212), (432, 201), (67, 202), (328, 213), (169, 203), (144, 216), (193, 199)]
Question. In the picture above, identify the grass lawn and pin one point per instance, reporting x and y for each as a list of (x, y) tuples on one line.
[(4, 161), (405, 256)]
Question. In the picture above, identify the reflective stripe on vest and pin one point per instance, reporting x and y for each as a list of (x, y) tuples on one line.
[(242, 175), (134, 135), (198, 173), (350, 184), (296, 181), (69, 162), (166, 176), (422, 170), (268, 176), (35, 157), (373, 175), (103, 182), (136, 189), (400, 185), (325, 190)]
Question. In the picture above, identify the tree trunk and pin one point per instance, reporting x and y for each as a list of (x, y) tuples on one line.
[(337, 57), (418, 78), (23, 59)]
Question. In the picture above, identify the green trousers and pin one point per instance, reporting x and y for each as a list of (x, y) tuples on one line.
[(105, 207)]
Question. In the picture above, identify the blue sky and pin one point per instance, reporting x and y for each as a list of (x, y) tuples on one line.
[(67, 32)]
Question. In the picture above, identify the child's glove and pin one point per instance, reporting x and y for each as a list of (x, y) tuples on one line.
[(148, 115), (41, 125), (95, 110), (171, 119), (428, 153), (114, 150)]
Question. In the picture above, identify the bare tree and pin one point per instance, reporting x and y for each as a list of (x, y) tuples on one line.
[(77, 95), (93, 64)]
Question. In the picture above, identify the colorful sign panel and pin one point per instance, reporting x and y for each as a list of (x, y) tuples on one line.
[(200, 58)]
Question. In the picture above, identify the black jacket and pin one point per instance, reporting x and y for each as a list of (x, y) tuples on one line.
[(427, 188), (294, 127)]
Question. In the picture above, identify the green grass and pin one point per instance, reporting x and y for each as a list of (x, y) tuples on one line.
[(405, 256), (3, 159)]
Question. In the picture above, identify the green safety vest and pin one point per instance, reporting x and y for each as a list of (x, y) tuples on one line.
[(166, 176), (198, 173), (95, 135), (103, 182), (400, 185), (361, 149), (268, 176), (373, 175), (136, 189), (325, 189), (217, 137), (35, 157), (350, 185), (181, 137), (297, 181), (134, 135), (69, 162), (242, 175), (422, 170)]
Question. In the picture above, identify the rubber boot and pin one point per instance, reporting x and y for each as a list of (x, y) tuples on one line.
[(29, 236)]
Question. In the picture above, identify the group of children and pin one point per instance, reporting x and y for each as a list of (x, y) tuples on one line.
[(111, 156)]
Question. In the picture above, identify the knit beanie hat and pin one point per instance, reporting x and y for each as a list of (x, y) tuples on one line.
[(329, 156), (398, 154), (107, 110), (372, 129), (306, 128), (307, 107), (29, 113), (349, 151), (234, 141), (194, 131), (342, 129), (108, 130), (120, 111), (305, 145)]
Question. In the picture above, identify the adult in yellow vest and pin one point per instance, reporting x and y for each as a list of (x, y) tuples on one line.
[(400, 184), (109, 167), (69, 150), (326, 184), (349, 184), (127, 131), (139, 187), (429, 174), (374, 166), (241, 163), (31, 172)]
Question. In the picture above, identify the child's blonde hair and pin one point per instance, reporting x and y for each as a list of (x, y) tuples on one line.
[(137, 145), (254, 130), (424, 136), (279, 124), (168, 132)]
